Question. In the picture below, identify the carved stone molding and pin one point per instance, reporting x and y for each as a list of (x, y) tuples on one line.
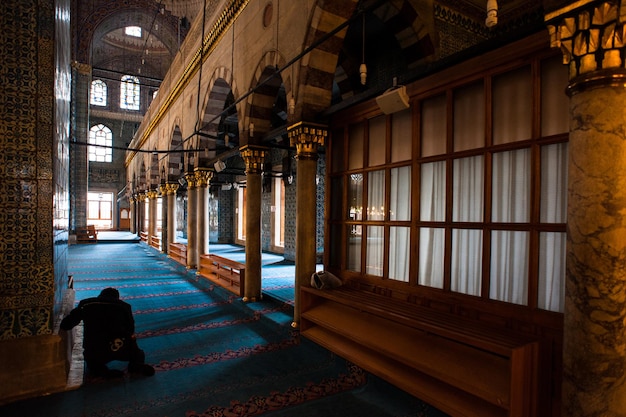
[(203, 177)]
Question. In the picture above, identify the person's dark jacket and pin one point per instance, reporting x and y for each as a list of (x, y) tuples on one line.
[(105, 320)]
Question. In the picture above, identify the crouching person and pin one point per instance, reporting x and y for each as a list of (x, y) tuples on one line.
[(109, 334)]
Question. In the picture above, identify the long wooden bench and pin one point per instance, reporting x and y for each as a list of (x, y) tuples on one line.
[(458, 365), (155, 242), (224, 272), (178, 252), (87, 234)]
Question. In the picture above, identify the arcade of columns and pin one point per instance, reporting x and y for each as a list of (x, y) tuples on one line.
[(592, 35)]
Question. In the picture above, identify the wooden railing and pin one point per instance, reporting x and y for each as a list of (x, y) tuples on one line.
[(87, 234), (463, 367), (144, 236), (155, 242), (224, 272), (178, 252)]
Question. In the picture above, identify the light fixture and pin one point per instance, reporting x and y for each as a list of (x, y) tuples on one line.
[(363, 67), (292, 105), (219, 166), (227, 186), (492, 13), (394, 99), (251, 129)]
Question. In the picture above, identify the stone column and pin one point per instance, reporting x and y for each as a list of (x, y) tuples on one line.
[(192, 221), (591, 36), (203, 177), (306, 137), (172, 187), (79, 174), (133, 214), (152, 207), (254, 157), (141, 208), (164, 219)]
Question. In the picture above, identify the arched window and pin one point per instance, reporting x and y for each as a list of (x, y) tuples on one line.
[(98, 93), (129, 93), (100, 143)]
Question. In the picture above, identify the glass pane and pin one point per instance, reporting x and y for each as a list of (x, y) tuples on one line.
[(335, 247), (377, 140), (400, 194), (355, 147), (375, 246), (511, 186), (433, 192), (376, 195), (554, 101), (509, 267), (434, 126), (401, 136), (337, 150), (354, 248), (336, 197), (469, 117), (512, 106), (355, 197), (551, 271), (93, 208), (105, 210), (431, 257), (468, 189), (399, 253), (467, 257), (554, 183)]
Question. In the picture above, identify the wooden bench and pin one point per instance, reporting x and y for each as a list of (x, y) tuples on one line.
[(462, 367), (178, 252), (224, 272), (143, 236), (87, 234), (155, 242)]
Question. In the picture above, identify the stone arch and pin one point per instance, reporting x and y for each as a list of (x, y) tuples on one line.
[(154, 175), (175, 159), (136, 8), (267, 83), (411, 22)]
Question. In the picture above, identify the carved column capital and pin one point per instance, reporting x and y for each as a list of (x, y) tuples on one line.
[(190, 177), (307, 138), (592, 36), (203, 177), (163, 189), (254, 157), (171, 187), (82, 68), (141, 197), (152, 194)]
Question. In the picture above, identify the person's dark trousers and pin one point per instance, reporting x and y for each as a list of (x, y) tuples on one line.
[(129, 352)]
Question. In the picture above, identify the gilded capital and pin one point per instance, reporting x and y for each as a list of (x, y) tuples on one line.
[(191, 180), (82, 68), (172, 187), (152, 194), (163, 189), (203, 177), (591, 36), (307, 138), (254, 157)]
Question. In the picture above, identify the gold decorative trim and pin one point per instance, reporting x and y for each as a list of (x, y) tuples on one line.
[(307, 138), (254, 158), (223, 23)]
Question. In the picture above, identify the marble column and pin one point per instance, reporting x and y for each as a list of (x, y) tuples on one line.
[(203, 177), (307, 138), (133, 214), (141, 198), (254, 158), (591, 36), (192, 221), (164, 214), (152, 207), (171, 212)]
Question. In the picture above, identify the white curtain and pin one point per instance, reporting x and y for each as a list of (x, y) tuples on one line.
[(553, 210), (432, 208), (468, 192), (399, 253), (376, 195), (511, 187), (509, 266), (431, 257), (400, 194), (375, 246)]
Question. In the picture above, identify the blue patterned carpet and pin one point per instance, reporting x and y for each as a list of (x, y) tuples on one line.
[(213, 354)]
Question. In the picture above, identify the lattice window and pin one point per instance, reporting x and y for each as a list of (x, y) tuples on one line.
[(129, 93), (98, 93), (100, 144)]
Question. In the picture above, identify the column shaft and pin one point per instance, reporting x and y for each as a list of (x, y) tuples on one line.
[(192, 223)]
